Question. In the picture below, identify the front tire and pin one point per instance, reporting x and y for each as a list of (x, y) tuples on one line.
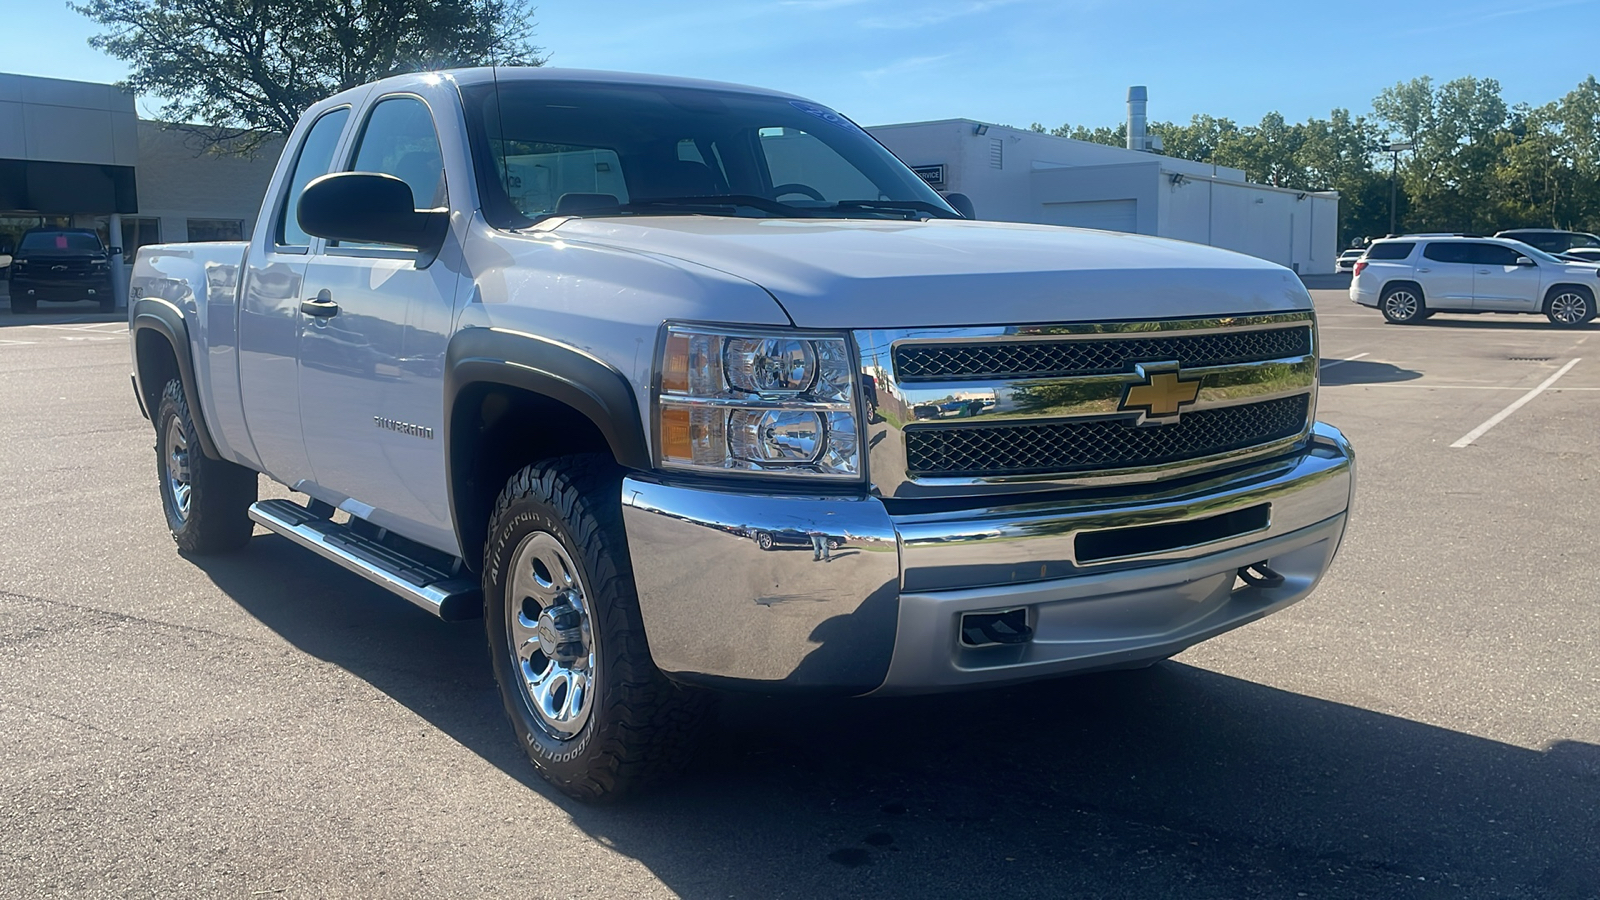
[(1403, 305), (206, 500), (595, 716), (1569, 307), (23, 305)]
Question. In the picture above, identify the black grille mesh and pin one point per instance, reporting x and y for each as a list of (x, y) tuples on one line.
[(1094, 356), (988, 450)]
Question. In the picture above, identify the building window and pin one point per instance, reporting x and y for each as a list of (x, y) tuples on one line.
[(216, 230), (138, 231)]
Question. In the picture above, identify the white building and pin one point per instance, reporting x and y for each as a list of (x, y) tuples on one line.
[(76, 154), (1023, 176)]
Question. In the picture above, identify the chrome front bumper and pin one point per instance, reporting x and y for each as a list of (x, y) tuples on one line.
[(881, 613)]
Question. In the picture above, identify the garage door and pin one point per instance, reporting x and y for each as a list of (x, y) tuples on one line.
[(1106, 215)]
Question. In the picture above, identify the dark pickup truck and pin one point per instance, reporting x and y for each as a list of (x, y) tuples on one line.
[(61, 264)]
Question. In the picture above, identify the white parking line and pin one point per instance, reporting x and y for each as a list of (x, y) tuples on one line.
[(1516, 404), (1340, 362)]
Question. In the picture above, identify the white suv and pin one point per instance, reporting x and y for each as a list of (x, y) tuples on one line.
[(1410, 278)]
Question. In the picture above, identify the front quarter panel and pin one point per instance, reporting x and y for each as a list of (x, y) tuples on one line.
[(604, 303)]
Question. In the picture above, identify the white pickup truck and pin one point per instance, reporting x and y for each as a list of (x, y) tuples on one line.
[(685, 385)]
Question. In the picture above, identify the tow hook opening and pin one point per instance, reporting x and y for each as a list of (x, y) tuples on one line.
[(1260, 575), (995, 627)]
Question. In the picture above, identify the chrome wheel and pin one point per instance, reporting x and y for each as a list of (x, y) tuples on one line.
[(550, 628), (1569, 308), (177, 461), (1401, 305)]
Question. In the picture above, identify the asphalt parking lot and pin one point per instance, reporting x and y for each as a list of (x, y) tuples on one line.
[(1427, 724)]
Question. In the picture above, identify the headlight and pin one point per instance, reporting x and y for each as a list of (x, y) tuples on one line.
[(779, 403)]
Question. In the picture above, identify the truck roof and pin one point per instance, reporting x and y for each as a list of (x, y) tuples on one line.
[(508, 74)]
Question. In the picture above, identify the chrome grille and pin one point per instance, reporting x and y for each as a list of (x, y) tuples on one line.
[(1098, 444), (1093, 356)]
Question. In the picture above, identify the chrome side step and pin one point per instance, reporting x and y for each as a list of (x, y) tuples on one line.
[(446, 595)]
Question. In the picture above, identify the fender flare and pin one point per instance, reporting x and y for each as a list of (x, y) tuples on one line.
[(594, 388), (161, 317)]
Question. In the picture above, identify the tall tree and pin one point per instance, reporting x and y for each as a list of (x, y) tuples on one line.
[(248, 68), (1455, 129)]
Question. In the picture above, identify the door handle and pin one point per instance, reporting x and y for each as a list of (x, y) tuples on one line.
[(1483, 272), (1424, 269), (321, 306)]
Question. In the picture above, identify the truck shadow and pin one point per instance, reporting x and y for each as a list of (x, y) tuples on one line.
[(1169, 781), (1359, 371)]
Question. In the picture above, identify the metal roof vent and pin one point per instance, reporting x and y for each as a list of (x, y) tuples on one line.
[(1138, 139), (997, 153)]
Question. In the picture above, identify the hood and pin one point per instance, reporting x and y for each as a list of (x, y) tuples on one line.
[(855, 273)]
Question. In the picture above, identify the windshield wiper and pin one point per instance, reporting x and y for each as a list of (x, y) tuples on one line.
[(703, 200), (932, 209)]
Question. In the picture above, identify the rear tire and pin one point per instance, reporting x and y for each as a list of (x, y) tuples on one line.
[(596, 717), (206, 501), (1403, 305), (1569, 306)]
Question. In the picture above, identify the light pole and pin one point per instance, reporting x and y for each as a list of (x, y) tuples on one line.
[(1394, 149)]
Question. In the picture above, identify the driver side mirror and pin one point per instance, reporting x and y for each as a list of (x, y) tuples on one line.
[(369, 207), (1524, 261), (961, 203)]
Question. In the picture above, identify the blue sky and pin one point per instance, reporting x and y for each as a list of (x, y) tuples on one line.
[(1015, 61)]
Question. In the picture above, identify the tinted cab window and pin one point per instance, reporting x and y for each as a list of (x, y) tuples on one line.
[(1550, 242), (1448, 252), (399, 140), (1493, 255), (316, 157), (1390, 250)]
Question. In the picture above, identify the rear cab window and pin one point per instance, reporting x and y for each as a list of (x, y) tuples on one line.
[(1550, 242), (314, 160)]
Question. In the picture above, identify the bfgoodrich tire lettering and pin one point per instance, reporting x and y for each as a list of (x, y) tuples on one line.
[(637, 726), (206, 500)]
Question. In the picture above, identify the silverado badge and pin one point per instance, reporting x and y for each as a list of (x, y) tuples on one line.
[(1160, 395)]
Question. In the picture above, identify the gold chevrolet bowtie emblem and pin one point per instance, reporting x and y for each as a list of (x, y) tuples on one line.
[(1161, 394)]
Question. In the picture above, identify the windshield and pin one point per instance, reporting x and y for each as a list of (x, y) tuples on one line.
[(597, 149), (59, 242)]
